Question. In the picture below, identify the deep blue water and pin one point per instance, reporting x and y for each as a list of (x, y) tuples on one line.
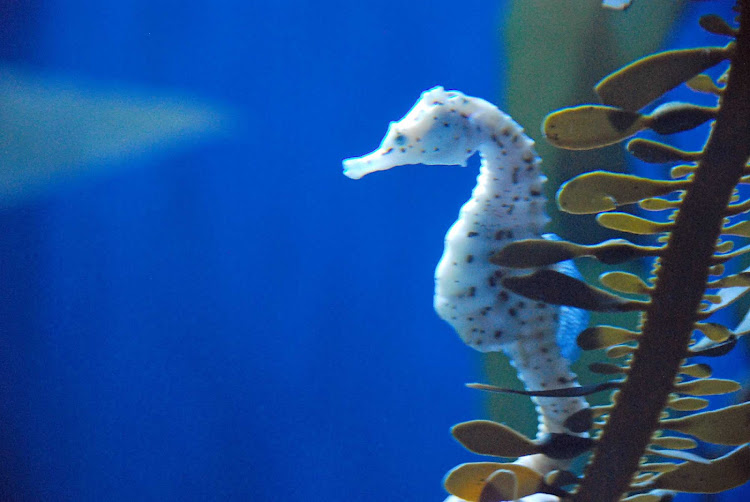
[(236, 320)]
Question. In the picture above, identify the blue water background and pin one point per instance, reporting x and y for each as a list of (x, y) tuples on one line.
[(237, 320)]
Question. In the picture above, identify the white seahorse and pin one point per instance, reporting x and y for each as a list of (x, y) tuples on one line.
[(446, 128)]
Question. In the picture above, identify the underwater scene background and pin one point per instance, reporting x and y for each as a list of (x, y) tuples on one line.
[(195, 304)]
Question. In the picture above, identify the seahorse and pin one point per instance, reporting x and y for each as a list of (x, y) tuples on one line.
[(447, 128)]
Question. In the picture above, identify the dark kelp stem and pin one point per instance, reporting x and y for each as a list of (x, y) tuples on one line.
[(679, 289)]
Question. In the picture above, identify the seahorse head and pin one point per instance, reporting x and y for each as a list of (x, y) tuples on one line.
[(436, 131)]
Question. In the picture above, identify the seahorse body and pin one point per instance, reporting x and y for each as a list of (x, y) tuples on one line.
[(447, 127)]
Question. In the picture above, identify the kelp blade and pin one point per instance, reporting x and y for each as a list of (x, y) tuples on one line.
[(641, 82)]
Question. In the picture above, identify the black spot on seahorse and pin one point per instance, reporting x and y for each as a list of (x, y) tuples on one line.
[(495, 277)]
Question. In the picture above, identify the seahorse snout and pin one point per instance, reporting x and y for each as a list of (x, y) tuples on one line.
[(357, 167)]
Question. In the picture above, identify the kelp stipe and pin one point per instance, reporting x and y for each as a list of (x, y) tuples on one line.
[(630, 456)]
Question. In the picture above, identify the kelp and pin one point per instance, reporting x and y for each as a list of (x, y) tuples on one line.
[(630, 458)]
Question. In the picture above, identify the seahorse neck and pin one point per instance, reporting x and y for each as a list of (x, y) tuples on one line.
[(510, 181)]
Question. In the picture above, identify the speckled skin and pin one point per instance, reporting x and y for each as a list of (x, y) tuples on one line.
[(447, 127)]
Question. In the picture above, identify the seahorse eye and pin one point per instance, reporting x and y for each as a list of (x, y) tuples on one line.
[(400, 139)]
